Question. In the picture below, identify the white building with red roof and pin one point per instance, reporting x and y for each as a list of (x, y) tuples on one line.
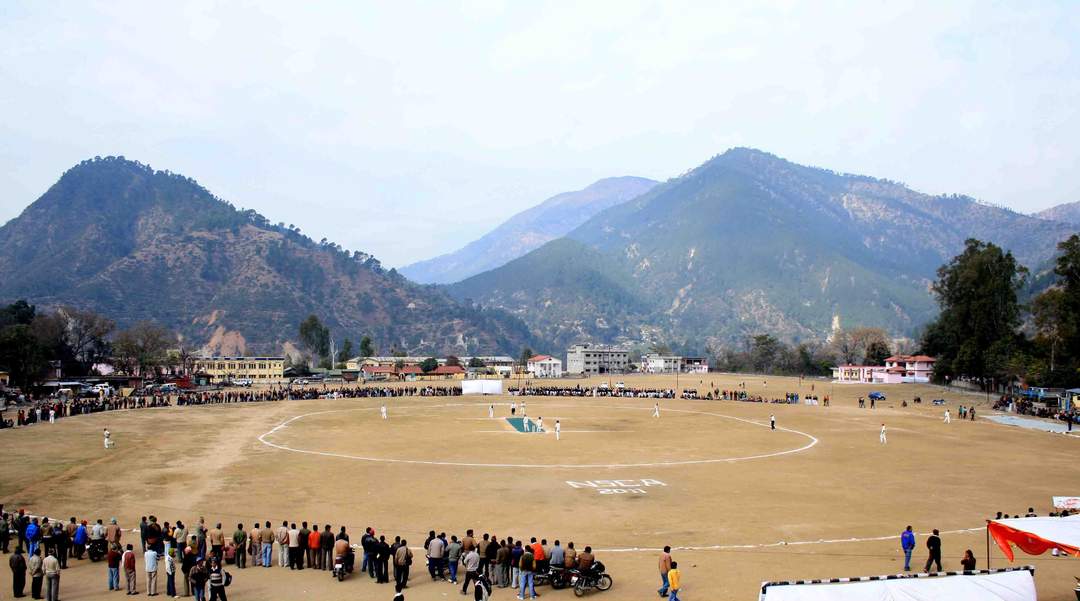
[(898, 369), (544, 366)]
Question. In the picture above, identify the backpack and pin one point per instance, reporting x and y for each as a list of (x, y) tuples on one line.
[(228, 579)]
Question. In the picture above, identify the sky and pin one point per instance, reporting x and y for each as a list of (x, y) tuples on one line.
[(406, 130)]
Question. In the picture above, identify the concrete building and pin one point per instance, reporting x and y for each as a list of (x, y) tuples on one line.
[(544, 366), (898, 369), (654, 363), (589, 360), (260, 370)]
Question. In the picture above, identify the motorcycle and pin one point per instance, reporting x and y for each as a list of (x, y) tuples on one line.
[(594, 577), (342, 565), (559, 577), (96, 549)]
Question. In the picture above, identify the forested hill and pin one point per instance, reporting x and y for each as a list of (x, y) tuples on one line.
[(118, 237), (749, 243), (528, 230)]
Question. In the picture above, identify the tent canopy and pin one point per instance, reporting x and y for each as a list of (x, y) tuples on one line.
[(1036, 536), (1011, 584)]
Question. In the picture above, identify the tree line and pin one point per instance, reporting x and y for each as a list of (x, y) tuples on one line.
[(36, 344)]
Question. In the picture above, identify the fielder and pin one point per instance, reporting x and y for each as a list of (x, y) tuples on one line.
[(491, 410), (382, 410), (882, 438), (656, 410), (558, 429), (108, 439), (948, 418), (540, 424), (772, 422)]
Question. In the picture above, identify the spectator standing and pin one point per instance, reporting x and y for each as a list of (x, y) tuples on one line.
[(170, 575), (239, 538), (150, 564), (17, 563), (112, 560), (51, 568), (526, 566), (907, 543), (37, 574), (933, 544), (217, 581), (665, 567), (314, 548), (674, 578), (326, 540), (129, 569), (402, 560), (453, 556)]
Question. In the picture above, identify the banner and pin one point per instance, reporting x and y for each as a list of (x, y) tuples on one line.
[(481, 387), (1067, 503)]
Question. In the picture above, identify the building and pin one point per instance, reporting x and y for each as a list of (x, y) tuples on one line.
[(898, 369), (544, 366), (913, 368), (588, 360), (655, 363), (260, 370)]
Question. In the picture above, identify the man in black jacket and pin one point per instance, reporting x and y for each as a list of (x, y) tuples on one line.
[(933, 544), (18, 573), (326, 544)]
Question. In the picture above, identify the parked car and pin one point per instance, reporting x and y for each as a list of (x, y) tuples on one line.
[(877, 396), (245, 382)]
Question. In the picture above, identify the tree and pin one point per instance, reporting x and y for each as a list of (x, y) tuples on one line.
[(430, 364), (452, 360), (346, 351), (526, 354), (764, 351), (476, 362), (844, 346), (1051, 320), (975, 333), (21, 354), (315, 337), (1068, 272), (18, 312), (877, 351), (367, 348), (141, 349), (87, 335)]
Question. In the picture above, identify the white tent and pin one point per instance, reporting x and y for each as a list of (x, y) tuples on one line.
[(1010, 584), (481, 387), (1037, 535)]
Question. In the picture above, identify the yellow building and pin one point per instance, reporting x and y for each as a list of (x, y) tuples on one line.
[(259, 370)]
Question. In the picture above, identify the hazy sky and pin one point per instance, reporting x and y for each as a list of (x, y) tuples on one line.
[(407, 129)]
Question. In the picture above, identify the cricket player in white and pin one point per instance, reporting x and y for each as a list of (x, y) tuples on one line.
[(491, 411), (772, 422), (513, 408), (948, 418), (526, 424), (557, 429), (52, 416), (882, 437), (382, 410), (656, 410), (108, 439), (523, 408), (540, 424)]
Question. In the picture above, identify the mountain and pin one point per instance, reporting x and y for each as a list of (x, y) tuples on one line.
[(1066, 213), (133, 243), (528, 230), (749, 243)]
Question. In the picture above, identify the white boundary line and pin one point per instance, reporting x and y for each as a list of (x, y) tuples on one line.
[(813, 441), (823, 541)]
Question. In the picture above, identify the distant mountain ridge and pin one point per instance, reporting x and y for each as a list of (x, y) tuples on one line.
[(528, 230), (133, 243), (749, 243), (1068, 212)]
